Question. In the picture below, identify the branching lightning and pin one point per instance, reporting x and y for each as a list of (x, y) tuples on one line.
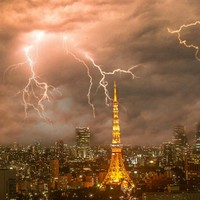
[(184, 42), (88, 73), (35, 92), (103, 83)]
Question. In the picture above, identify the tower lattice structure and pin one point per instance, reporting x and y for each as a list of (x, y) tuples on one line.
[(117, 174)]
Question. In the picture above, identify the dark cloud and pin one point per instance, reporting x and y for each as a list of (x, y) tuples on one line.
[(116, 35)]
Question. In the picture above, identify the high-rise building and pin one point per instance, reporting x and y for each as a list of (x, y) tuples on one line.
[(192, 167), (83, 142), (54, 170), (117, 174), (179, 138), (167, 152), (7, 184), (197, 142), (59, 147), (179, 141)]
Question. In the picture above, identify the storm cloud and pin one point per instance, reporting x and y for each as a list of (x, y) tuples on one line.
[(165, 93)]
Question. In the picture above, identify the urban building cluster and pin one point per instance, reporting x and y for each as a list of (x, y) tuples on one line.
[(84, 171), (36, 171)]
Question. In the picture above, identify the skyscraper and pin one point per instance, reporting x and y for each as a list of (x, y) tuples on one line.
[(54, 170), (83, 142), (192, 167), (167, 151), (197, 142), (7, 184), (179, 138), (117, 174), (59, 147), (179, 141)]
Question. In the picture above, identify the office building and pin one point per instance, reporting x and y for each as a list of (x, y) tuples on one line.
[(197, 140), (7, 184), (179, 141), (83, 142)]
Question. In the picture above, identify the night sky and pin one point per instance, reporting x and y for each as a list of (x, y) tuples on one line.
[(116, 34)]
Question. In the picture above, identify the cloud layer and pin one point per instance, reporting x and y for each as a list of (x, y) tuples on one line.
[(116, 35)]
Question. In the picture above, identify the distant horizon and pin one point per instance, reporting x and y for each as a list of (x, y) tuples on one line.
[(191, 140)]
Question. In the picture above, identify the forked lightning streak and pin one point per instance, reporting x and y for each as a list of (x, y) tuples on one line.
[(36, 93), (185, 42)]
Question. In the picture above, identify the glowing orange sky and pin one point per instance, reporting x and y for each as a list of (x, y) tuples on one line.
[(116, 35)]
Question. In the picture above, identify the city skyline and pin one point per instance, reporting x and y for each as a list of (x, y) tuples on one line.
[(116, 35)]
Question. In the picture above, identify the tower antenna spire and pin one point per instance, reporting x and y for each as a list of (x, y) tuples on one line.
[(116, 128), (115, 92)]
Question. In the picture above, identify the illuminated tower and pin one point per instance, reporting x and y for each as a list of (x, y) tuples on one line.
[(117, 174)]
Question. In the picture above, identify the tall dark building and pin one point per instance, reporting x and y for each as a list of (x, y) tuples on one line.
[(197, 142), (179, 138), (59, 147), (192, 167), (167, 151), (54, 170), (7, 184), (179, 141), (83, 142)]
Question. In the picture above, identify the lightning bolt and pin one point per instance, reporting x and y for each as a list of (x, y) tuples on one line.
[(35, 92), (103, 83), (65, 39), (184, 42), (29, 91)]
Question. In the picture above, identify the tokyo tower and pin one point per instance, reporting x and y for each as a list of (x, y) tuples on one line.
[(117, 174)]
